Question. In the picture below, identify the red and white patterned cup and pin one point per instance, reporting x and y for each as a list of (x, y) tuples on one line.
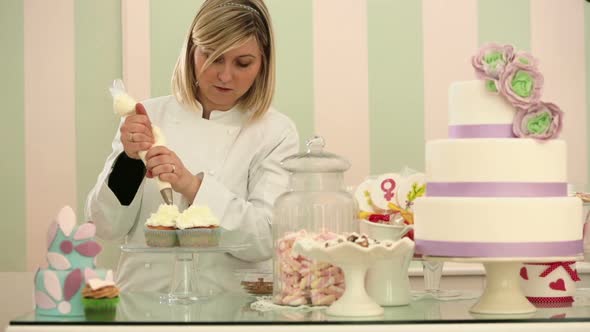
[(551, 282)]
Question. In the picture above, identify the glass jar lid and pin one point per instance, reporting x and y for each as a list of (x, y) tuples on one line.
[(315, 159)]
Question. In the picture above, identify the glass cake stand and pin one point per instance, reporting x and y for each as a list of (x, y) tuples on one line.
[(432, 271), (183, 288), (502, 293)]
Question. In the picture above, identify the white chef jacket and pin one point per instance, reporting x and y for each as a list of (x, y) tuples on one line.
[(242, 179)]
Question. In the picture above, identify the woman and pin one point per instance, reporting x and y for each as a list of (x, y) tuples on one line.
[(224, 146)]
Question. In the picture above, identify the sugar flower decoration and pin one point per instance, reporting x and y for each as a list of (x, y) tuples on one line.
[(521, 84), (525, 59), (515, 76), (489, 62), (541, 121)]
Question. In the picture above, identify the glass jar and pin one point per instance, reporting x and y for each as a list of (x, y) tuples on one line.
[(316, 205)]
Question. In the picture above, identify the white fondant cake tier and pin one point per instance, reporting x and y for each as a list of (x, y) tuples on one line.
[(495, 160), (498, 227), (471, 104)]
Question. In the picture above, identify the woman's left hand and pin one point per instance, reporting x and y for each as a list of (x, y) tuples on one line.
[(163, 163)]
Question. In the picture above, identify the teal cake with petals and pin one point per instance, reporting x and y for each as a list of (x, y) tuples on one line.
[(70, 262)]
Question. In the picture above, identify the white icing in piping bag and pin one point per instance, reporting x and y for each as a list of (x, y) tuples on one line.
[(124, 105)]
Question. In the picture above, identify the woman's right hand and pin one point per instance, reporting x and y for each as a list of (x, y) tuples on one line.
[(136, 132)]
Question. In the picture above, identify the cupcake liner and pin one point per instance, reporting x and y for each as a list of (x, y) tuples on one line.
[(198, 237), (160, 238), (101, 310), (100, 316), (104, 304)]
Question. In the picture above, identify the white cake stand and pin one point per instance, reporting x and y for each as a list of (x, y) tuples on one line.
[(502, 293), (354, 261)]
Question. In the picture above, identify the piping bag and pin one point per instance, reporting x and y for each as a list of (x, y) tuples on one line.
[(123, 105)]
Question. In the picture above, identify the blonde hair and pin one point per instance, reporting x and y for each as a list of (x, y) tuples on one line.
[(221, 26)]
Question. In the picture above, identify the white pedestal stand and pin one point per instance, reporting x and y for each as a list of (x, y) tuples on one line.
[(502, 293), (354, 261)]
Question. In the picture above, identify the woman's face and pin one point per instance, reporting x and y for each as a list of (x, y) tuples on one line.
[(229, 77)]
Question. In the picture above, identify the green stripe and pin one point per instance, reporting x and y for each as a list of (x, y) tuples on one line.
[(12, 127), (505, 22), (169, 24), (396, 96), (293, 25), (587, 42), (98, 62)]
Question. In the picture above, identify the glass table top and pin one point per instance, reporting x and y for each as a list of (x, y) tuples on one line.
[(144, 308)]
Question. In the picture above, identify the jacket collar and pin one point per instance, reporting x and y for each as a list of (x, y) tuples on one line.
[(233, 117)]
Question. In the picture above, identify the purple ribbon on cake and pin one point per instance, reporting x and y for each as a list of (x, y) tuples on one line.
[(499, 249), (496, 189), (481, 131)]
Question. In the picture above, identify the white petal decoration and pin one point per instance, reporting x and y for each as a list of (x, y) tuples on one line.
[(52, 285), (98, 283), (43, 301), (64, 307), (85, 231), (66, 218), (109, 275), (89, 274), (58, 261), (51, 232)]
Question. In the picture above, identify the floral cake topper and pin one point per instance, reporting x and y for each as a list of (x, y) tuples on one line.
[(516, 77)]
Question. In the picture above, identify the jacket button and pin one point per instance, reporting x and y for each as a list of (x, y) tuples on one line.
[(148, 265), (211, 173)]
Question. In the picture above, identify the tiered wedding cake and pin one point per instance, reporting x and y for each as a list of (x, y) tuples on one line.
[(498, 186)]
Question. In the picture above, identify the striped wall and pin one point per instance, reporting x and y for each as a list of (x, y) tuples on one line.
[(12, 199), (587, 82), (371, 76)]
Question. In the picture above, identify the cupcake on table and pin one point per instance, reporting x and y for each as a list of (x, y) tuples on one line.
[(100, 296), (198, 227)]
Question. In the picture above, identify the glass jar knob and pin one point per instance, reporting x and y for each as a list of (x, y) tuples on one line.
[(315, 144)]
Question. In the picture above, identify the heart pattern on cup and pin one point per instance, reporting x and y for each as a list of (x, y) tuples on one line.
[(558, 284), (523, 273)]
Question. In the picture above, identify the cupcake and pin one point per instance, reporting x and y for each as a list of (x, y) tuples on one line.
[(198, 227), (160, 228), (100, 298)]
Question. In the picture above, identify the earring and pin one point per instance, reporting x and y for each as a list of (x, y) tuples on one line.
[(196, 84)]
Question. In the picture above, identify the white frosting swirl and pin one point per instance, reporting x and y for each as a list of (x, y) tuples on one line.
[(123, 104), (196, 216), (165, 216)]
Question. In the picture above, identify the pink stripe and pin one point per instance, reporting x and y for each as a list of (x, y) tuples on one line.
[(557, 40), (481, 131), (499, 249), (495, 189), (449, 41), (342, 101), (50, 131), (135, 19)]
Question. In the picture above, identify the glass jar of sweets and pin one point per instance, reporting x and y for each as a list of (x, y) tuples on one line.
[(316, 205)]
